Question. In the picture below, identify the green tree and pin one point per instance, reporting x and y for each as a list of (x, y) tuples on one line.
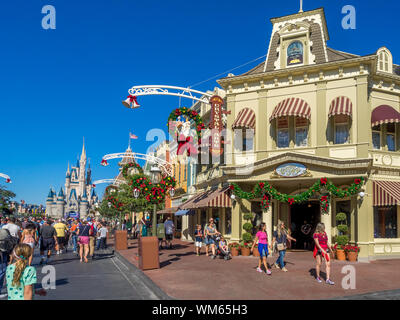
[(5, 200)]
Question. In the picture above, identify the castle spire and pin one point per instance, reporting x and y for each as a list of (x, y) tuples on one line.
[(83, 155), (68, 172), (301, 6)]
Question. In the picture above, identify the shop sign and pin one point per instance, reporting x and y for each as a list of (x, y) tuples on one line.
[(291, 170), (216, 124)]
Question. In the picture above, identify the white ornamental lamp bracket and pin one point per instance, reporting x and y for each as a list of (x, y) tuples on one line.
[(8, 179), (165, 166), (136, 91)]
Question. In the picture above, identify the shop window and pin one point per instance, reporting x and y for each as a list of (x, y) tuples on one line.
[(283, 132), (257, 218), (228, 221), (342, 129), (203, 219), (376, 137), (385, 222), (217, 219), (301, 132)]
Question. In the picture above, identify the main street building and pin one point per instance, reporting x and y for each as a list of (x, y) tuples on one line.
[(318, 112)]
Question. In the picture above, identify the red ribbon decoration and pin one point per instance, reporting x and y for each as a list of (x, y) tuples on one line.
[(132, 98)]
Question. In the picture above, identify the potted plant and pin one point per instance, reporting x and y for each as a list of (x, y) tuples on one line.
[(342, 239), (245, 248), (352, 252), (256, 253), (248, 227), (235, 248)]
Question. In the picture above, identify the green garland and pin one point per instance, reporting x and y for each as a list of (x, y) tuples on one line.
[(266, 191), (191, 114)]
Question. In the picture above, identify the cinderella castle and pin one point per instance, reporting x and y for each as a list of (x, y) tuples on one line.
[(79, 195)]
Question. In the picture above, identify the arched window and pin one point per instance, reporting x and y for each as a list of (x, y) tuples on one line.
[(340, 113), (385, 60), (294, 53)]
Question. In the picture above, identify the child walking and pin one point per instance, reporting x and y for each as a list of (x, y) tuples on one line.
[(21, 277), (198, 235)]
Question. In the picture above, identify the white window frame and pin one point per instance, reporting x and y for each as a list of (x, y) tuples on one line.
[(342, 124)]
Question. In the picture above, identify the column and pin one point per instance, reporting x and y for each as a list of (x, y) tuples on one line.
[(267, 218), (317, 130), (236, 220), (185, 230), (365, 223), (398, 221), (222, 217), (326, 218), (262, 135)]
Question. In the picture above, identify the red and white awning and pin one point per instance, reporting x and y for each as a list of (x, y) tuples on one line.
[(245, 119), (217, 198), (292, 107), (384, 114), (386, 193), (341, 105)]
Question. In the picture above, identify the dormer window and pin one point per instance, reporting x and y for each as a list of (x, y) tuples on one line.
[(295, 53), (385, 60)]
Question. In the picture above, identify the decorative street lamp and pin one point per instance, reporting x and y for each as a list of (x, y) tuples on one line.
[(172, 192), (155, 176), (136, 193)]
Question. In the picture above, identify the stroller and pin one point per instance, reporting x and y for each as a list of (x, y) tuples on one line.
[(221, 252)]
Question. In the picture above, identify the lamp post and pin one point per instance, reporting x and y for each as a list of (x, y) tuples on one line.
[(155, 176)]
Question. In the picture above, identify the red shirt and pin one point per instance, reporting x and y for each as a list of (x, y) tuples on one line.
[(322, 239)]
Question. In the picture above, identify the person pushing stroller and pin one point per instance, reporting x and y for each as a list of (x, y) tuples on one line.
[(222, 247)]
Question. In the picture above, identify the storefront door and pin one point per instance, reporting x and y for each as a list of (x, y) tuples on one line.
[(303, 220)]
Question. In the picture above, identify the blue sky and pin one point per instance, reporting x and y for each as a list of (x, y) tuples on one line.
[(58, 86)]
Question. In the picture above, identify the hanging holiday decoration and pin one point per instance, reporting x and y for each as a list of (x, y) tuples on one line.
[(8, 179), (190, 114), (104, 162), (154, 193), (126, 169), (324, 203), (265, 191)]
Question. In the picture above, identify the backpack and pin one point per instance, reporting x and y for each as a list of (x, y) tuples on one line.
[(7, 242)]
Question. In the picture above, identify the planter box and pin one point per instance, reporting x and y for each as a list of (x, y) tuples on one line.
[(121, 240), (235, 252), (245, 251), (340, 255), (352, 256)]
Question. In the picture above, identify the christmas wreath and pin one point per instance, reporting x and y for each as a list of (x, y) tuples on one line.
[(188, 113), (128, 166)]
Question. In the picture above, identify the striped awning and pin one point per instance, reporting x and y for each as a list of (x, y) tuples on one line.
[(245, 119), (341, 105), (384, 114), (386, 193), (167, 210), (291, 107), (216, 198)]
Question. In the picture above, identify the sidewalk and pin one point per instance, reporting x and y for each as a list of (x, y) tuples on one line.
[(183, 275)]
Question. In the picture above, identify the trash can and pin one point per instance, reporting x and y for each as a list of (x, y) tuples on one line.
[(148, 253)]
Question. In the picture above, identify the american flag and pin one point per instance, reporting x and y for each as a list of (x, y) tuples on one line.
[(132, 136)]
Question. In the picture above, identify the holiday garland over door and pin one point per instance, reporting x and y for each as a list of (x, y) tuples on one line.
[(324, 186)]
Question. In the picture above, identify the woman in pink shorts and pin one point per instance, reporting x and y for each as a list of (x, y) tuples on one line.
[(83, 240)]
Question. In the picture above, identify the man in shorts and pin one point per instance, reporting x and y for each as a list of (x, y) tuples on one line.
[(49, 237), (169, 231), (61, 229)]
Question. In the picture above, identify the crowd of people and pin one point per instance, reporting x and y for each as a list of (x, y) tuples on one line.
[(20, 237), (281, 237)]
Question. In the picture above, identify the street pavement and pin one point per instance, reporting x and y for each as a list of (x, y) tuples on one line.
[(106, 277)]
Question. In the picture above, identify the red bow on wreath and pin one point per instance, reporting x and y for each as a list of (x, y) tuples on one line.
[(323, 181), (261, 184), (290, 201)]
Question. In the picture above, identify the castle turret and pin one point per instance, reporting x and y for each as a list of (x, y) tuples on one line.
[(49, 203), (84, 205), (60, 204)]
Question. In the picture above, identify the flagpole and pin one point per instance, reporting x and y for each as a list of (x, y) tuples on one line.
[(129, 143)]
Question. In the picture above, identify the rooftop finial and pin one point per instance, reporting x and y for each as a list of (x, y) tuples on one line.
[(301, 6)]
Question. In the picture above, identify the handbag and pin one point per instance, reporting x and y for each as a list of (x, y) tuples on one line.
[(281, 246)]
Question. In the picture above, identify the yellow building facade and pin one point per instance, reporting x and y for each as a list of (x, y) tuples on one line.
[(321, 112)]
